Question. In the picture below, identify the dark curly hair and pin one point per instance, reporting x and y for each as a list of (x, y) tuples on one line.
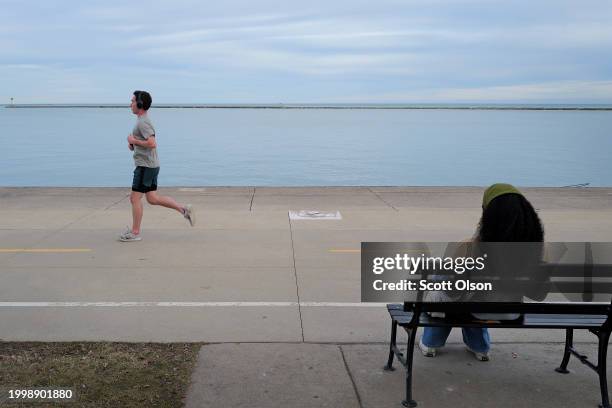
[(510, 218)]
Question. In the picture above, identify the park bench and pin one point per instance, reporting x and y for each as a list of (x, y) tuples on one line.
[(591, 316)]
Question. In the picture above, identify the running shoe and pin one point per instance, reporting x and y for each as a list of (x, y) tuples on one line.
[(189, 214), (129, 236)]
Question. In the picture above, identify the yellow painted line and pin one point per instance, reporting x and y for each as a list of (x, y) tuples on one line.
[(356, 251), (43, 250)]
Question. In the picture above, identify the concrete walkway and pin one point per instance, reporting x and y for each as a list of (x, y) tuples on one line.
[(248, 274), (351, 376)]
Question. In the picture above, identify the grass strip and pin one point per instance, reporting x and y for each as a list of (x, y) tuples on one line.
[(102, 374)]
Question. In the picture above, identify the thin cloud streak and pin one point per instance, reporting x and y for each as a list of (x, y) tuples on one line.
[(569, 91)]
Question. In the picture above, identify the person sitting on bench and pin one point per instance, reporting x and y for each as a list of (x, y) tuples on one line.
[(507, 216)]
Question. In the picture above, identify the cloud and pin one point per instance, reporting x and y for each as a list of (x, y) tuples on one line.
[(547, 92), (456, 49)]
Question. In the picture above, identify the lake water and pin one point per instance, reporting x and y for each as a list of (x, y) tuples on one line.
[(310, 147)]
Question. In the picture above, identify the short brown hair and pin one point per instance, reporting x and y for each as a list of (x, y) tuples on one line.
[(143, 99)]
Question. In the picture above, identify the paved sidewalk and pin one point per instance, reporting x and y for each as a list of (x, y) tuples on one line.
[(246, 272), (351, 376)]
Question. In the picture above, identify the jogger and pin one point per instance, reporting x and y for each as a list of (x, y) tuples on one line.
[(143, 142)]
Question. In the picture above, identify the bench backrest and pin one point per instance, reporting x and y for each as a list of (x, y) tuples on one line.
[(585, 289)]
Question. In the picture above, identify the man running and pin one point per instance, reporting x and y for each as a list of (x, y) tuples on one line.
[(142, 142)]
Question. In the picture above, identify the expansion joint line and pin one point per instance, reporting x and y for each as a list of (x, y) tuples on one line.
[(297, 287), (348, 371), (117, 202), (381, 199), (252, 197)]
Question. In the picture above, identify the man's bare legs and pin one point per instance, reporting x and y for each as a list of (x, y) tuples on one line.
[(154, 199), (137, 209), (164, 201)]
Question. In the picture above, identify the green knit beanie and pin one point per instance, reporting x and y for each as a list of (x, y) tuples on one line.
[(497, 190)]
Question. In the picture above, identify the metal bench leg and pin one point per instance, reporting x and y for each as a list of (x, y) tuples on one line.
[(392, 343), (604, 336), (569, 343), (409, 402)]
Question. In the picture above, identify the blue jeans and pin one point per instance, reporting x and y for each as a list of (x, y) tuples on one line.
[(477, 339)]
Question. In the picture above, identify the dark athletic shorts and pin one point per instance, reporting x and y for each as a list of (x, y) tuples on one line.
[(145, 179)]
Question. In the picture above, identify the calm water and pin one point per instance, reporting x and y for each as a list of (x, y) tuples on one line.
[(295, 147)]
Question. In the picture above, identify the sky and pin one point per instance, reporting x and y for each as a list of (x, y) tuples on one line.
[(316, 51)]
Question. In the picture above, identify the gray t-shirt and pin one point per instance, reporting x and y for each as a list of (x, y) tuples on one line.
[(144, 156)]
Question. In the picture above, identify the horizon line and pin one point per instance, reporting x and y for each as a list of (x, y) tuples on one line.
[(426, 105)]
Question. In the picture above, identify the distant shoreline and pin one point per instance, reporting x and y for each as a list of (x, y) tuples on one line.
[(330, 106)]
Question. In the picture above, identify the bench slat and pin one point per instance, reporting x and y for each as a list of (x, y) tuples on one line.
[(553, 317), (529, 321), (535, 308)]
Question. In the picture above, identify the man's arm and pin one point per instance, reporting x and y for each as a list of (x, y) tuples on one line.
[(149, 143)]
